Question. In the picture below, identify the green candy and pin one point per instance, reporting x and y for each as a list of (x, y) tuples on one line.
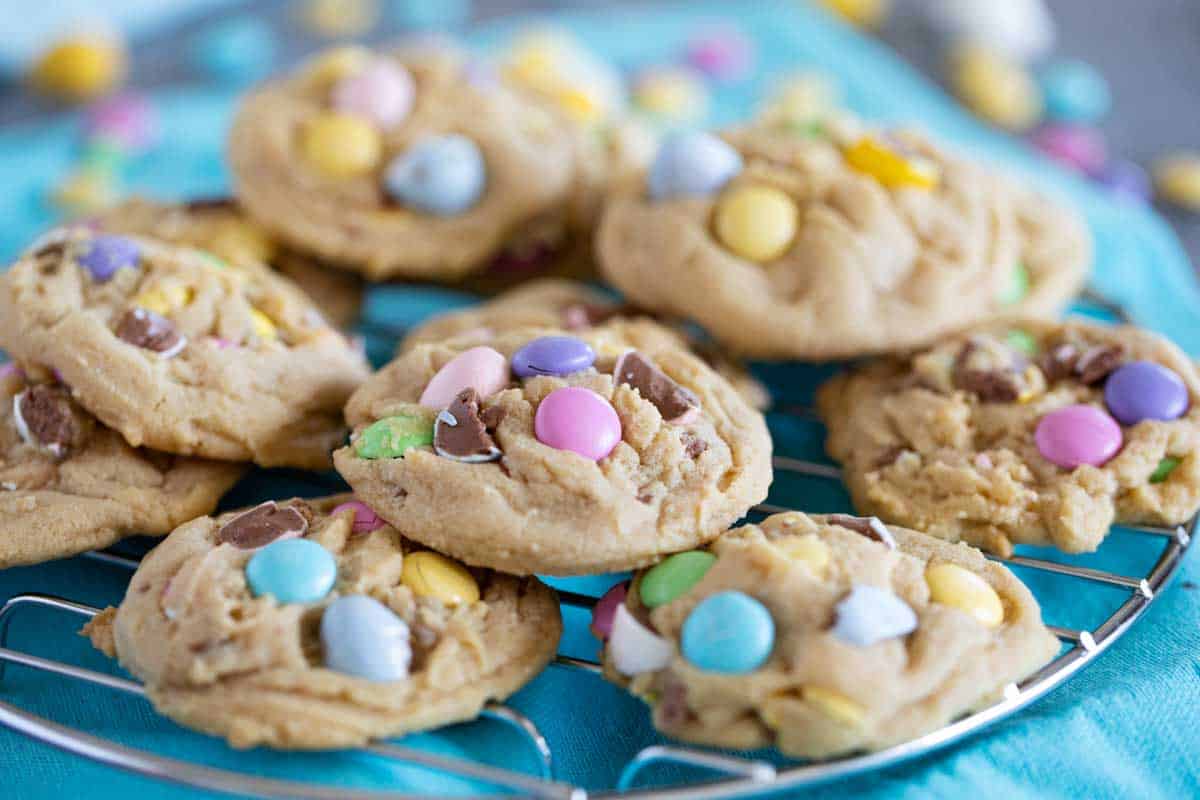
[(1164, 469), (392, 437), (670, 578), (1017, 287), (1022, 342)]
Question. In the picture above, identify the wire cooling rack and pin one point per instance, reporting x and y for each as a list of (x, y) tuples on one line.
[(735, 775)]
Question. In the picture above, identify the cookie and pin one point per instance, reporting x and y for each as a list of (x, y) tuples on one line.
[(1039, 433), (68, 484), (548, 451), (398, 165), (178, 353), (821, 247), (820, 636), (217, 226), (314, 625), (557, 303)]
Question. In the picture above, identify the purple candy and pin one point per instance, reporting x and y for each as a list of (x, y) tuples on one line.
[(553, 355), (107, 254), (1144, 390), (1127, 180)]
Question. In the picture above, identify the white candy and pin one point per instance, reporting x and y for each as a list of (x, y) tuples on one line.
[(869, 614), (634, 647), (1020, 29)]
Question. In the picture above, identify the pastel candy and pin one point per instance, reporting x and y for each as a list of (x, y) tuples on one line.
[(364, 518), (106, 254), (442, 175), (236, 51), (382, 92), (579, 420), (392, 437), (1140, 390), (676, 94), (360, 636), (958, 587), (723, 53), (807, 549), (1127, 180), (292, 571), (634, 648), (341, 145), (673, 576), (869, 614), (1076, 146), (1078, 435), (80, 67), (729, 632), (431, 574), (126, 120), (996, 88), (1074, 91), (1016, 287), (480, 368), (605, 610), (691, 163), (1177, 179), (757, 223), (553, 355)]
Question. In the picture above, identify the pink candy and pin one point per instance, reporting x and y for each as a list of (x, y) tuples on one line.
[(579, 420), (1077, 435), (605, 609), (1076, 146), (723, 53), (127, 120), (382, 92), (480, 368), (365, 518)]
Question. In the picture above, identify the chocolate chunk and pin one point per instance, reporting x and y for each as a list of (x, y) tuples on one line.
[(262, 525), (459, 432), (143, 328), (694, 446), (54, 249), (214, 203), (492, 416), (675, 403), (46, 418), (1059, 362), (889, 456), (672, 709), (1097, 362), (869, 527), (581, 316), (995, 386)]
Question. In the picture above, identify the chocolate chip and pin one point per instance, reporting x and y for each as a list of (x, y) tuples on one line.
[(674, 402), (492, 416), (694, 446), (143, 328), (1097, 362), (52, 249), (995, 386), (869, 527), (215, 203), (262, 525), (46, 418), (1059, 362), (459, 432), (889, 456), (672, 709), (581, 316)]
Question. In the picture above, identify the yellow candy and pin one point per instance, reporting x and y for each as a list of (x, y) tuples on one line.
[(79, 68), (1177, 179), (579, 105), (999, 90), (865, 13), (85, 192), (891, 167), (834, 705), (809, 549), (757, 223), (329, 67), (264, 328), (336, 18), (431, 574), (241, 242), (801, 99), (672, 94), (165, 299), (954, 586), (341, 145)]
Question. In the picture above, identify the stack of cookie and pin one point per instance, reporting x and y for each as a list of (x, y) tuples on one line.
[(556, 430)]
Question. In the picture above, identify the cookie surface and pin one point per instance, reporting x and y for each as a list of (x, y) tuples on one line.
[(68, 484), (399, 199), (819, 248), (812, 635), (588, 474), (178, 353), (218, 653), (219, 227), (967, 440)]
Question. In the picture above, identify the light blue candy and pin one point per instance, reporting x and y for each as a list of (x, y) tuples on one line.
[(1074, 91), (364, 638), (292, 570), (869, 614), (691, 163), (728, 632), (432, 14), (235, 51), (441, 175)]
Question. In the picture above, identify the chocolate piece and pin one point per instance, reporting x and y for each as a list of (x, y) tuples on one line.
[(262, 525), (869, 527), (694, 446), (581, 316), (991, 387), (46, 418), (1059, 362), (889, 456), (492, 416), (675, 403), (143, 328), (672, 709), (1097, 362), (214, 203), (459, 432), (988, 370)]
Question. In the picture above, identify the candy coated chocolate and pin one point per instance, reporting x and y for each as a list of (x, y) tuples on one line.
[(577, 419), (1076, 435), (869, 614), (440, 175), (691, 163), (553, 355), (729, 632), (106, 254), (292, 571), (360, 636), (480, 368), (1142, 390)]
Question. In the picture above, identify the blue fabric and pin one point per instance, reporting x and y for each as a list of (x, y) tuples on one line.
[(1123, 728)]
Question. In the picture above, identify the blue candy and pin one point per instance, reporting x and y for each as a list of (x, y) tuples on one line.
[(107, 254), (553, 355), (441, 175), (691, 163), (729, 632), (1074, 91), (292, 571), (236, 51), (364, 638)]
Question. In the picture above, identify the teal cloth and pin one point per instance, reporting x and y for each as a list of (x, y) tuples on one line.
[(1123, 728)]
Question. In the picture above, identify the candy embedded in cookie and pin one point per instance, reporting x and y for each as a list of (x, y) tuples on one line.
[(1034, 433), (763, 642), (554, 452), (396, 164), (177, 352), (284, 626)]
